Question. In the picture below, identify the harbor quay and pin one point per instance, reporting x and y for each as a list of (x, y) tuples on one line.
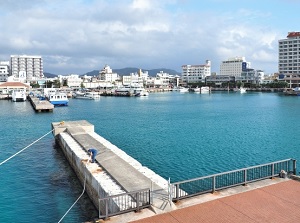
[(123, 190)]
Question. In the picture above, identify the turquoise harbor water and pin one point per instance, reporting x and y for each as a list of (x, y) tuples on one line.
[(180, 136)]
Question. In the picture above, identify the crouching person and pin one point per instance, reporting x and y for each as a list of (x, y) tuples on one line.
[(92, 152)]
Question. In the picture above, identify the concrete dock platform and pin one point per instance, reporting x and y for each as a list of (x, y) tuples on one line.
[(40, 105), (114, 172)]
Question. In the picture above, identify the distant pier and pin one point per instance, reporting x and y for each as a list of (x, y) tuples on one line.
[(40, 105)]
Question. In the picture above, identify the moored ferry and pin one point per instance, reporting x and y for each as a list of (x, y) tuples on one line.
[(18, 95), (58, 99)]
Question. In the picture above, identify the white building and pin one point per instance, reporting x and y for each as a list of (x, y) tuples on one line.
[(289, 54), (139, 78), (26, 67), (162, 80), (73, 80), (106, 74), (196, 73), (4, 70), (234, 66)]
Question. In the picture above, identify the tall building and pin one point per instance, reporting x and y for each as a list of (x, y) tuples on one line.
[(106, 74), (289, 54), (26, 67), (234, 66), (196, 73), (4, 70)]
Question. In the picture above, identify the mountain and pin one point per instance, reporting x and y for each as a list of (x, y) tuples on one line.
[(49, 75)]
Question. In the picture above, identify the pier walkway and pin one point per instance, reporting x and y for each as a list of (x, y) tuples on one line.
[(125, 171)]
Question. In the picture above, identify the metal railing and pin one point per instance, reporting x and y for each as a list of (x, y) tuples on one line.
[(122, 203), (212, 183)]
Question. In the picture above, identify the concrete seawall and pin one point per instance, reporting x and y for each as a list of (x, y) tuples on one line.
[(113, 173)]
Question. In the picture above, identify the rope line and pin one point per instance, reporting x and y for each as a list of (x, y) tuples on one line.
[(26, 147), (78, 197), (61, 123)]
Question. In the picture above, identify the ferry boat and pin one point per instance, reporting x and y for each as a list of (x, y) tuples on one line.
[(131, 91), (58, 99), (86, 95), (18, 95)]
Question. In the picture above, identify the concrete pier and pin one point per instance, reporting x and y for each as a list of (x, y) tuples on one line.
[(114, 172), (40, 105)]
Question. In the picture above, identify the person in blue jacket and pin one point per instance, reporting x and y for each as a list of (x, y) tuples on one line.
[(93, 153)]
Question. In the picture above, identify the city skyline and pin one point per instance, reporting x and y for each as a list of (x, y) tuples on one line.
[(77, 36)]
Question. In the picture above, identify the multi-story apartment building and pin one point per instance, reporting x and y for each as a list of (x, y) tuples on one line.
[(106, 74), (289, 54), (289, 59), (4, 70), (26, 67), (234, 66), (196, 73)]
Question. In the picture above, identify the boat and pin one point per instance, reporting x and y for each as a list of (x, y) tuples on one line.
[(242, 90), (131, 90), (197, 90), (18, 95), (205, 89), (87, 95), (141, 93), (58, 99), (183, 90)]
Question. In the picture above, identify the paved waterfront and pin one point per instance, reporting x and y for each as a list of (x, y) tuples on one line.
[(279, 202)]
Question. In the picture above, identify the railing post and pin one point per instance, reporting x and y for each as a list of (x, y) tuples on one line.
[(214, 184), (169, 192), (151, 193), (138, 201), (99, 208), (294, 167), (106, 208), (177, 192), (272, 174), (245, 177)]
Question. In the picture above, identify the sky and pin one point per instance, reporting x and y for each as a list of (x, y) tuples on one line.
[(78, 36)]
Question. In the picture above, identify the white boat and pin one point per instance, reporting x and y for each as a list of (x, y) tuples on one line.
[(183, 90), (18, 95), (58, 99), (87, 95), (205, 89), (197, 90), (242, 90), (131, 91), (141, 93)]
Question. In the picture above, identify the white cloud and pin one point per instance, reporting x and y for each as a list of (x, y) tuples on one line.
[(142, 33)]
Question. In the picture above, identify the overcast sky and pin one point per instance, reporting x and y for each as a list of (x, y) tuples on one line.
[(78, 36)]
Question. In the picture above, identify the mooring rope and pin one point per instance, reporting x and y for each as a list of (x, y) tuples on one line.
[(78, 197), (26, 147), (61, 123)]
